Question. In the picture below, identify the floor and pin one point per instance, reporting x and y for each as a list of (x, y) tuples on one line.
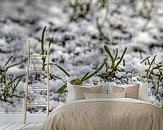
[(17, 126)]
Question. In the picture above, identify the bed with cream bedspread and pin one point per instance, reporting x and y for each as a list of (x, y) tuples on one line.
[(106, 114)]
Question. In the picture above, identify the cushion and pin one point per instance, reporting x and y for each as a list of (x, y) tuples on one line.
[(106, 88), (143, 92), (132, 90), (71, 93), (76, 92), (103, 95), (79, 91)]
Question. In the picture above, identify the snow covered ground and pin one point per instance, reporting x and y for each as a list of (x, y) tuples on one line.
[(76, 46)]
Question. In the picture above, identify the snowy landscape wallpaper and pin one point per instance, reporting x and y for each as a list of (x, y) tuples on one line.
[(92, 42)]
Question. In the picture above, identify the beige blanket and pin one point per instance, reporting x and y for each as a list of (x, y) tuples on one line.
[(106, 114)]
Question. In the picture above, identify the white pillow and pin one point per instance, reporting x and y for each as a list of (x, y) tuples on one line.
[(143, 92), (71, 92), (106, 88)]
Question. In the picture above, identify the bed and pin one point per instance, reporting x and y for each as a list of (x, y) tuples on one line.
[(106, 114), (98, 108)]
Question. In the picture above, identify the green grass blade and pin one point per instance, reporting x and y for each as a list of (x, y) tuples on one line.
[(62, 89), (8, 61), (145, 59), (116, 54), (150, 66), (62, 69), (55, 77), (16, 64), (121, 58), (96, 71), (15, 86), (83, 78), (107, 67), (109, 53), (9, 85), (42, 40)]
